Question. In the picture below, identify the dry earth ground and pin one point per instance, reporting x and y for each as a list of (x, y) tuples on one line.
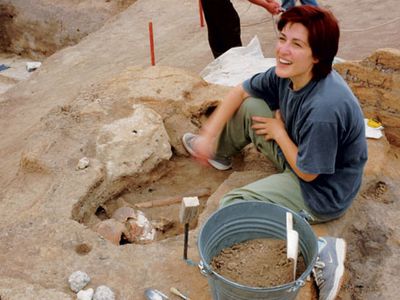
[(41, 242)]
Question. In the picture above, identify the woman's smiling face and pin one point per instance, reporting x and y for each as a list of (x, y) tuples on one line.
[(294, 57)]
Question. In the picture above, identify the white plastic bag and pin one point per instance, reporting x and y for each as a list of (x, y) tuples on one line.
[(237, 65)]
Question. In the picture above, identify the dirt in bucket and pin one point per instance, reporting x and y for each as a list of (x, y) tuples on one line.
[(257, 263)]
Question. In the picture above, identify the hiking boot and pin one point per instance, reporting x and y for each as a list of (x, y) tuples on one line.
[(329, 268), (219, 163)]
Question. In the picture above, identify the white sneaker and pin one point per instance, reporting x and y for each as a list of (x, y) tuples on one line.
[(219, 163)]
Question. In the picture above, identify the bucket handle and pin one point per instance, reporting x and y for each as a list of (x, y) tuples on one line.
[(297, 284), (203, 269), (306, 216)]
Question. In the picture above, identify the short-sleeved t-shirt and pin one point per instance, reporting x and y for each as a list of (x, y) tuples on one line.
[(325, 121)]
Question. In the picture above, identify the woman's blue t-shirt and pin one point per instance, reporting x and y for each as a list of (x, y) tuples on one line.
[(325, 121)]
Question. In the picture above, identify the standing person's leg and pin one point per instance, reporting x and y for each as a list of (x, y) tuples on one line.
[(286, 4), (309, 2), (223, 25)]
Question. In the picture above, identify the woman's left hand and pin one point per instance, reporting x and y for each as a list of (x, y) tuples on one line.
[(270, 128)]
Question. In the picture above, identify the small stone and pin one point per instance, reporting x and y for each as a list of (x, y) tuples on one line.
[(33, 65), (83, 163), (78, 280), (103, 293), (85, 294)]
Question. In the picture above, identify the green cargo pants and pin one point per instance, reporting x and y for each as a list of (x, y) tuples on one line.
[(282, 188)]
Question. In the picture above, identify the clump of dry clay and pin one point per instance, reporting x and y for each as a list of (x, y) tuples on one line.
[(78, 280), (103, 292)]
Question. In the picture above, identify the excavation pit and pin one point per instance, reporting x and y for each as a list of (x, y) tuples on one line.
[(159, 202)]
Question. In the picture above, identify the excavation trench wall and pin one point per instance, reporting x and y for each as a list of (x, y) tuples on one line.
[(39, 28)]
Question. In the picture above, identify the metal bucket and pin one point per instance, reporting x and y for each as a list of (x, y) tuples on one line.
[(250, 220)]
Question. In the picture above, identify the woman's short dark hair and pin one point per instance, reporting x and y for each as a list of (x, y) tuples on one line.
[(323, 34)]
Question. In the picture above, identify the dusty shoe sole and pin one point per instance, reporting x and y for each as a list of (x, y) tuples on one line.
[(187, 138)]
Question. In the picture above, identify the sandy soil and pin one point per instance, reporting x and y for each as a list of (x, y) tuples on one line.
[(257, 263), (40, 244)]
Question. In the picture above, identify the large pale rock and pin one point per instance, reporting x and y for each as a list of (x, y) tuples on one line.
[(134, 145)]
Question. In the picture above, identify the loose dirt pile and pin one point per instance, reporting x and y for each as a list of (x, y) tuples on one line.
[(257, 263)]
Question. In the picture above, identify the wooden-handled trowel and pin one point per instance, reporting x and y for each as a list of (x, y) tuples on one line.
[(189, 210), (292, 242)]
